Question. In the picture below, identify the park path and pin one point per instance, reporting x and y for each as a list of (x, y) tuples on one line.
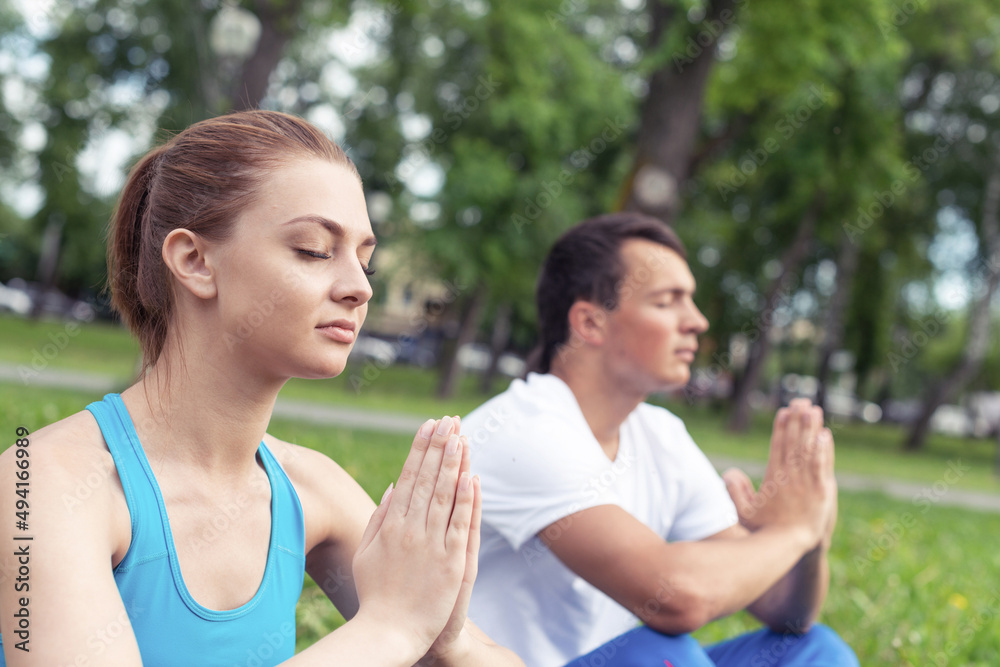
[(391, 422)]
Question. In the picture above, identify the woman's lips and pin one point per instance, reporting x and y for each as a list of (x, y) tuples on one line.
[(342, 333)]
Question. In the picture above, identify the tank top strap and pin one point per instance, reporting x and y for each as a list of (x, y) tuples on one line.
[(126, 451), (288, 517)]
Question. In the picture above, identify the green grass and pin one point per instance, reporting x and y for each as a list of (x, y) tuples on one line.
[(908, 587), (403, 389), (97, 347), (912, 584)]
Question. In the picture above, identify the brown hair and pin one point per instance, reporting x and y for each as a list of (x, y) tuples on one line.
[(200, 180), (585, 264)]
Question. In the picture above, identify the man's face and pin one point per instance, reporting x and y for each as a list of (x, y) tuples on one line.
[(652, 335)]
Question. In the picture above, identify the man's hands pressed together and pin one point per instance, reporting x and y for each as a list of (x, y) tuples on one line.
[(798, 496), (799, 488)]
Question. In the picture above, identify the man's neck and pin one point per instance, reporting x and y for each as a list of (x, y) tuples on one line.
[(604, 403)]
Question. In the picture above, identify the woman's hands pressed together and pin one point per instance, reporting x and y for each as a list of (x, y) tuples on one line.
[(417, 560)]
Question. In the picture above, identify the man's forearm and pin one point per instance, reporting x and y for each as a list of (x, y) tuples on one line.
[(717, 577), (794, 602)]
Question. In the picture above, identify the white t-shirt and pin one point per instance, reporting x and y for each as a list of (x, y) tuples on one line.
[(540, 462)]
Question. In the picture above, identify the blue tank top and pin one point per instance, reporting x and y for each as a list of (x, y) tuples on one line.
[(171, 628)]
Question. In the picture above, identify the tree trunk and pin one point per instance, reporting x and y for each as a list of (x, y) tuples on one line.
[(471, 317), (833, 338), (977, 338), (277, 25), (498, 343), (48, 262), (791, 262), (671, 112)]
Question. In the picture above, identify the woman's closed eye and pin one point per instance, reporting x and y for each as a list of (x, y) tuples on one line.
[(322, 255), (314, 254)]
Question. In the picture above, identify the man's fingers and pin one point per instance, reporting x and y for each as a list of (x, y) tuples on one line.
[(824, 451), (831, 450), (793, 429), (779, 436), (740, 490), (815, 425)]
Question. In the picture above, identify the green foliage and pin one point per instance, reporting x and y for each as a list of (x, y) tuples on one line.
[(515, 107), (527, 114)]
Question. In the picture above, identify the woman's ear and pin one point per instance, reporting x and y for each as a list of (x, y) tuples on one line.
[(587, 322), (184, 253)]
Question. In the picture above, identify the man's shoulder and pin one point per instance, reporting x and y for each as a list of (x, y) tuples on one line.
[(535, 425), (657, 416), (540, 401)]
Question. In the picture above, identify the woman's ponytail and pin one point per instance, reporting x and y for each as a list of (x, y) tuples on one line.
[(127, 249)]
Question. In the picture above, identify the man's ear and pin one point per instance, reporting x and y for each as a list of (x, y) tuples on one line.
[(588, 322), (184, 253)]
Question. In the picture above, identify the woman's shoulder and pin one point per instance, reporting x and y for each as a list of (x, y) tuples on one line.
[(74, 444), (332, 501), (69, 478), (307, 468)]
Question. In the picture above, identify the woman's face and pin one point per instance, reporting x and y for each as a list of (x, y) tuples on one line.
[(292, 284)]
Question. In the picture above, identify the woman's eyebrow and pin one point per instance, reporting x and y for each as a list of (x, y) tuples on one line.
[(331, 226), (678, 291)]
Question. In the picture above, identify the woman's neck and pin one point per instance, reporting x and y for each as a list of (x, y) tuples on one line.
[(202, 411)]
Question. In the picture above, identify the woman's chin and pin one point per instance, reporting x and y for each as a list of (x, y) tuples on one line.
[(324, 372)]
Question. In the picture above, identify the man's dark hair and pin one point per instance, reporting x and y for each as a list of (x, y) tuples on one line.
[(586, 264)]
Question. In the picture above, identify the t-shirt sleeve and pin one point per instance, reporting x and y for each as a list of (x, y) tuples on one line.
[(704, 507), (537, 474)]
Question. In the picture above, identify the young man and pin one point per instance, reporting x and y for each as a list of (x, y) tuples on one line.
[(599, 511)]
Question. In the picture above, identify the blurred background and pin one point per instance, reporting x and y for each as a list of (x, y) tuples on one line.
[(832, 166)]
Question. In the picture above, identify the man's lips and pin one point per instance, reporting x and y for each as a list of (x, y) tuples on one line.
[(687, 354), (341, 331)]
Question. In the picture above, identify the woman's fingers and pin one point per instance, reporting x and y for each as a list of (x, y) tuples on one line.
[(474, 532), (461, 517), (443, 499), (471, 551), (375, 522), (411, 469), (430, 468)]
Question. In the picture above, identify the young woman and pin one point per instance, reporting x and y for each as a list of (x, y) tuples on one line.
[(167, 527)]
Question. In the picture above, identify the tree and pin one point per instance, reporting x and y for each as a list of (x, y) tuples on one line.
[(794, 142), (681, 52), (950, 93), (522, 120), (120, 70), (977, 338)]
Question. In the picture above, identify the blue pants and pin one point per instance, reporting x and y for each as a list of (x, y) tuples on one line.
[(643, 647)]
